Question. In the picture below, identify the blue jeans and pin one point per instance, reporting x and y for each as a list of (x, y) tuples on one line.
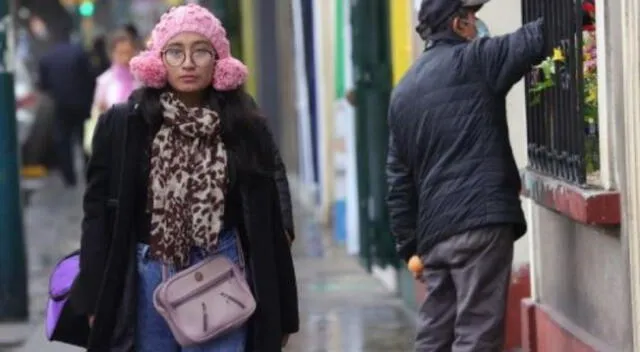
[(153, 333)]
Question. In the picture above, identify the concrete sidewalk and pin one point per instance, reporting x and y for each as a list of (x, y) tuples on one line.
[(37, 342)]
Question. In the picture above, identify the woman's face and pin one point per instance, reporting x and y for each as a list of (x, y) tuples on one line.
[(189, 59), (123, 52)]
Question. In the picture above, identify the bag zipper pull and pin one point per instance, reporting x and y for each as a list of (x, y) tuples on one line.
[(205, 318)]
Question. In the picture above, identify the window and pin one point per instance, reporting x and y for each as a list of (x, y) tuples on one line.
[(562, 103)]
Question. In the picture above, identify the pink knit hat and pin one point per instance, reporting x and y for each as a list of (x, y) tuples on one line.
[(229, 73)]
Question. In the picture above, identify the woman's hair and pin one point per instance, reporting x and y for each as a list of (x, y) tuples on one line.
[(99, 43), (117, 37), (132, 30), (244, 130)]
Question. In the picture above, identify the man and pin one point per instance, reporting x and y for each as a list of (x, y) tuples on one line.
[(67, 76), (454, 187)]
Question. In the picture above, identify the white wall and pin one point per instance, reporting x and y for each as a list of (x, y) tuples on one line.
[(323, 35), (504, 16)]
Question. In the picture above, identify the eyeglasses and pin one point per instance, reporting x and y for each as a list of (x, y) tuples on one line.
[(176, 57)]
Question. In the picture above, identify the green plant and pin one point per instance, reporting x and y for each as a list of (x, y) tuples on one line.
[(546, 72)]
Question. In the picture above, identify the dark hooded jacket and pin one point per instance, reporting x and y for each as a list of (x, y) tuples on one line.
[(450, 167)]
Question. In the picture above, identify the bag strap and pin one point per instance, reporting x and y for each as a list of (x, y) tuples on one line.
[(242, 264), (241, 258)]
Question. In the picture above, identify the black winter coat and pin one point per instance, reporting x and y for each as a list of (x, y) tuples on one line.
[(107, 283), (450, 167)]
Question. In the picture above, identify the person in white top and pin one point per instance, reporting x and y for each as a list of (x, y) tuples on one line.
[(116, 84)]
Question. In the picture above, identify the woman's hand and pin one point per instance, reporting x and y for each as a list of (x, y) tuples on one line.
[(285, 340), (91, 319)]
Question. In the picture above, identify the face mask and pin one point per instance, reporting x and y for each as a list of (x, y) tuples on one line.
[(482, 29)]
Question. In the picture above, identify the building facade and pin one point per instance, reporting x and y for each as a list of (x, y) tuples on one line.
[(580, 279)]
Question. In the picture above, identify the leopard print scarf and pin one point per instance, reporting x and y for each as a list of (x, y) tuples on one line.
[(187, 182)]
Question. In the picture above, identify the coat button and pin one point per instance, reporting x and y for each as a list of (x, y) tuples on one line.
[(199, 276)]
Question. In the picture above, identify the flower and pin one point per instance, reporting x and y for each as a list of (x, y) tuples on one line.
[(590, 66), (558, 55), (591, 96)]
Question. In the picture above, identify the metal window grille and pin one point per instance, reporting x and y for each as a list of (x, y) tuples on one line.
[(560, 142)]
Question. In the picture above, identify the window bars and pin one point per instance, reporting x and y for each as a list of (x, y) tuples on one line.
[(561, 131)]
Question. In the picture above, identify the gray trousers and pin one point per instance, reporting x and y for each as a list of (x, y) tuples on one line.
[(467, 278)]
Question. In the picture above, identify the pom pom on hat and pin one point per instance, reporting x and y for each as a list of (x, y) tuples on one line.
[(148, 68), (229, 74)]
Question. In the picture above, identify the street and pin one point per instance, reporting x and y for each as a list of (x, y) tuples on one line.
[(343, 309)]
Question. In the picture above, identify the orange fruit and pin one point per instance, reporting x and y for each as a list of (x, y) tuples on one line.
[(415, 264)]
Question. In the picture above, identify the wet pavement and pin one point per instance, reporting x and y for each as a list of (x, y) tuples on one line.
[(342, 308)]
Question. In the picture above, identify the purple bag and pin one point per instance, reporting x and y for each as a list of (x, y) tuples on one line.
[(62, 323)]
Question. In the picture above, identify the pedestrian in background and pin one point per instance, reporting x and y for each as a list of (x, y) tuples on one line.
[(453, 183), (184, 171), (116, 84), (67, 76)]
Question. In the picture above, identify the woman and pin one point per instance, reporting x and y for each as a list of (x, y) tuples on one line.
[(182, 172), (115, 84)]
